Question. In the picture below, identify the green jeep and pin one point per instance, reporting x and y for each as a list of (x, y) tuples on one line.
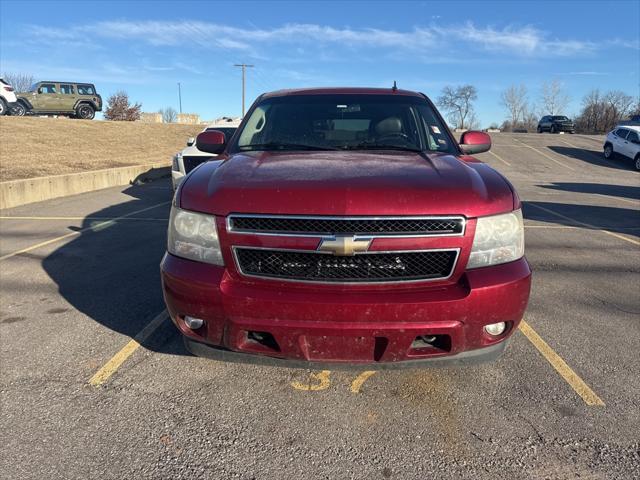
[(77, 100)]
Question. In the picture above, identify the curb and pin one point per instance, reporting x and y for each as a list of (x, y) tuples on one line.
[(20, 192)]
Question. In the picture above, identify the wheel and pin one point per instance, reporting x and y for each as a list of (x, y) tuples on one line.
[(608, 151), (539, 130), (18, 109), (3, 107), (637, 163), (553, 129), (85, 111)]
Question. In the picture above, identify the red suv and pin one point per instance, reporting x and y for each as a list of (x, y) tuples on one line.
[(346, 226)]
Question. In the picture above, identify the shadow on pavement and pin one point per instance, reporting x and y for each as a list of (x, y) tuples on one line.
[(620, 220), (111, 273), (622, 191), (594, 157)]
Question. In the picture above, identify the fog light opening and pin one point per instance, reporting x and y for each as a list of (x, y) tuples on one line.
[(263, 338), (192, 322), (496, 329)]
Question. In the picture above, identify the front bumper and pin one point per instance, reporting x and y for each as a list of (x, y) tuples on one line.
[(565, 128), (318, 325)]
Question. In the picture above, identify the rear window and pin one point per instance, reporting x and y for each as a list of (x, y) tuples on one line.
[(344, 122), (86, 90), (560, 118)]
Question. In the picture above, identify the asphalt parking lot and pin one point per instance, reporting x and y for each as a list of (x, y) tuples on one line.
[(95, 382)]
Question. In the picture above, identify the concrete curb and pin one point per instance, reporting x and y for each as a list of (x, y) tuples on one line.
[(20, 192)]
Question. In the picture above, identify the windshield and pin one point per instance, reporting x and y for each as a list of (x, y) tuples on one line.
[(344, 122), (560, 118)]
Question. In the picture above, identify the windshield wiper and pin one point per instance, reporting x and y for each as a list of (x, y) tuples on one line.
[(282, 146), (378, 146)]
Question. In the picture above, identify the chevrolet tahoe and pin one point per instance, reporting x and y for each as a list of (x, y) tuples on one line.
[(346, 227)]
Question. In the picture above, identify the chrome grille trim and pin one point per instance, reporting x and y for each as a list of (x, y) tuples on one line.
[(457, 218)]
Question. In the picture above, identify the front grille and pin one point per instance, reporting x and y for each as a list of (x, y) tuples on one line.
[(367, 267), (192, 162), (332, 226)]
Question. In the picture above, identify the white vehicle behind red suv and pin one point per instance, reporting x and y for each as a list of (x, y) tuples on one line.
[(624, 141), (7, 97), (190, 157)]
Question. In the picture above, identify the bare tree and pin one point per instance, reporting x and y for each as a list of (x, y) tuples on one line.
[(169, 115), (119, 108), (600, 113), (19, 81), (458, 103), (514, 99), (554, 99)]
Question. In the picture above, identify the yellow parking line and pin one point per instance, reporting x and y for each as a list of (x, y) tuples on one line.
[(565, 371), (97, 226), (559, 215), (356, 385), (119, 358), (84, 218), (500, 158)]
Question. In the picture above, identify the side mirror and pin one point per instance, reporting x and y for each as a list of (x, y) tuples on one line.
[(212, 141), (190, 141), (473, 142)]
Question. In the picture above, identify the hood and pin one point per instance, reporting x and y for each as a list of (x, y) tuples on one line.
[(347, 183)]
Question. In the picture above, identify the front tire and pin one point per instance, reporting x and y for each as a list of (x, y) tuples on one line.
[(539, 130), (608, 151), (85, 112), (553, 129), (637, 162), (3, 107), (18, 109)]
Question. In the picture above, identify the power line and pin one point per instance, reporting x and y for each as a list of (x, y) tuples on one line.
[(244, 66)]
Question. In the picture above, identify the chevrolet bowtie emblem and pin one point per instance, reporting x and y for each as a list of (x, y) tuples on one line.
[(344, 245)]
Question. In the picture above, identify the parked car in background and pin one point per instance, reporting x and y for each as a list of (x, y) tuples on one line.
[(346, 226), (190, 157), (624, 141), (7, 97), (76, 100), (556, 124)]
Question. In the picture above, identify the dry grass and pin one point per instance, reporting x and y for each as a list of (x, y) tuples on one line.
[(36, 147)]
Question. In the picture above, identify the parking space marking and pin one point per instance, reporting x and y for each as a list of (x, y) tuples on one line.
[(545, 155), (356, 385), (119, 358), (322, 379), (559, 215), (500, 158), (95, 227), (565, 371), (148, 219)]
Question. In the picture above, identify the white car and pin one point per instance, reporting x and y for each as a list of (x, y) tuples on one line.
[(190, 157), (7, 97), (624, 141)]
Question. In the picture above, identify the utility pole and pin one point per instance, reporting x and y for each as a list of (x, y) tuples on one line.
[(180, 97), (244, 66)]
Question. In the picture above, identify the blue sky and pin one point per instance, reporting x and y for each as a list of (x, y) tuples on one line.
[(145, 47)]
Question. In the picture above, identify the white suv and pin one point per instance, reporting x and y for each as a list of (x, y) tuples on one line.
[(7, 97), (624, 141), (190, 157)]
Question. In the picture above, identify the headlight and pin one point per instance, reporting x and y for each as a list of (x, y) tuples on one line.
[(174, 165), (498, 239), (194, 236)]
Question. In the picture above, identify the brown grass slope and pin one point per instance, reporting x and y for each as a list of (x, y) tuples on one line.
[(36, 147)]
